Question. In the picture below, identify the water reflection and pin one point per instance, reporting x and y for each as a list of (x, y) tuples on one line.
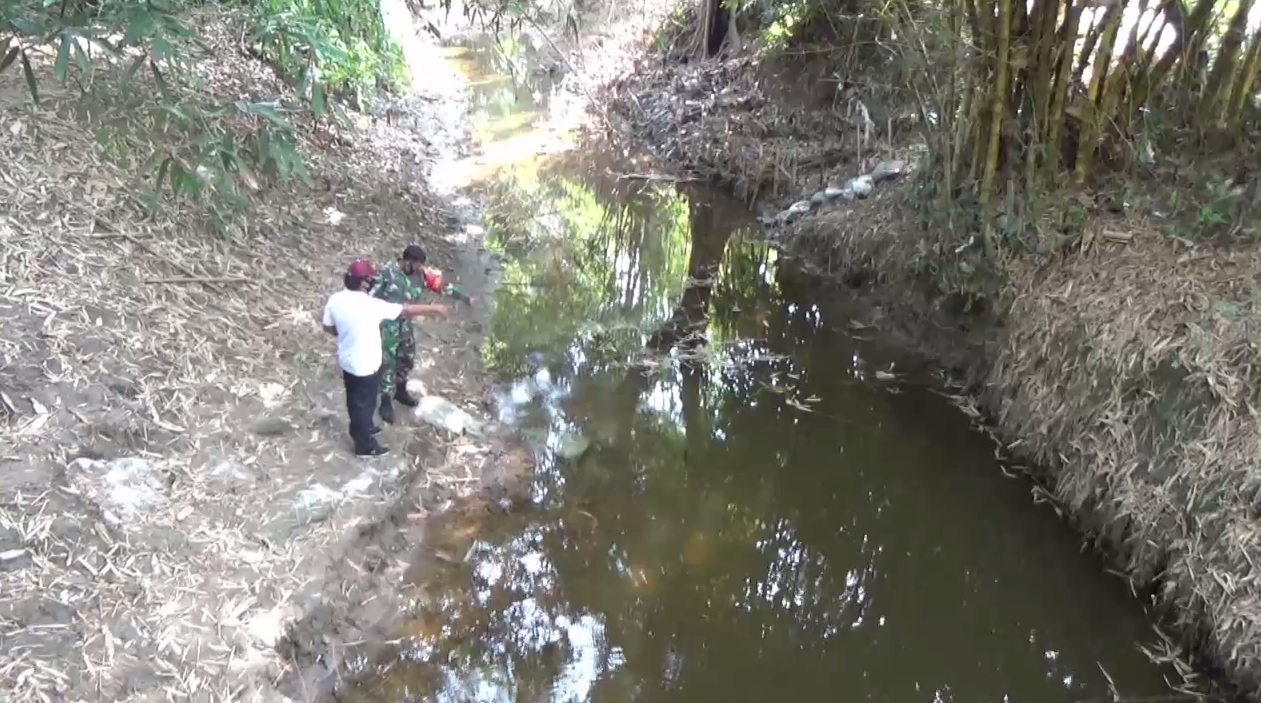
[(753, 518)]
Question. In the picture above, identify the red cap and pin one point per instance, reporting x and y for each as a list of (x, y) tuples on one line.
[(361, 268)]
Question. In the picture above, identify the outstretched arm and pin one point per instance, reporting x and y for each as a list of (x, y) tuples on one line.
[(411, 310)]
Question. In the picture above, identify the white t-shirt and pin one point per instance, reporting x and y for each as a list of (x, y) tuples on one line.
[(357, 317)]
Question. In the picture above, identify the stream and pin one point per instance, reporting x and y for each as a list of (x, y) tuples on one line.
[(737, 498)]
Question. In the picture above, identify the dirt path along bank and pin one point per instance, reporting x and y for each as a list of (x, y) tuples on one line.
[(176, 493)]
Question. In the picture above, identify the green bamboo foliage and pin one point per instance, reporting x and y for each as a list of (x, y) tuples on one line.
[(1047, 88)]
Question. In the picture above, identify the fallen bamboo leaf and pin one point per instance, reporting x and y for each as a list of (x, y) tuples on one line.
[(34, 425)]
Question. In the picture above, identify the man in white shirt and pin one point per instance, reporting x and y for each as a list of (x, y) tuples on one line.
[(355, 318)]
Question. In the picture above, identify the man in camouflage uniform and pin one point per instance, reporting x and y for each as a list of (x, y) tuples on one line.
[(397, 284)]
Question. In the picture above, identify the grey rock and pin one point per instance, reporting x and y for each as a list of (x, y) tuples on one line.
[(269, 426), (861, 186), (229, 476), (123, 489), (315, 503), (787, 216), (834, 193), (819, 199), (800, 207), (887, 171)]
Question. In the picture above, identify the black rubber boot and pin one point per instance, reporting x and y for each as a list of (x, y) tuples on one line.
[(402, 396), (374, 450), (387, 409)]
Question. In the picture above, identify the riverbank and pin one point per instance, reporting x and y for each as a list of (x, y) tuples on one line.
[(178, 505), (1124, 370)]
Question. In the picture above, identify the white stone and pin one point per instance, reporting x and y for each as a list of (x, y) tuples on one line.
[(123, 489), (861, 186)]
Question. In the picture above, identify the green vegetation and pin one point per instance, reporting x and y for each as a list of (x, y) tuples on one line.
[(132, 70), (1032, 114), (1025, 105), (139, 74), (338, 46)]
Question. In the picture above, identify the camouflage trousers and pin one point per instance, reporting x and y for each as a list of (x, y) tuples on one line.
[(398, 354)]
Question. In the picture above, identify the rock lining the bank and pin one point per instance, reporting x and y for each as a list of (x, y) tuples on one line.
[(858, 187)]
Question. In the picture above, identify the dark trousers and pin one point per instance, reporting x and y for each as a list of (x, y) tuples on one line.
[(361, 404)]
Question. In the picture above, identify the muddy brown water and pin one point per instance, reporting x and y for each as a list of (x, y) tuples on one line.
[(737, 497)]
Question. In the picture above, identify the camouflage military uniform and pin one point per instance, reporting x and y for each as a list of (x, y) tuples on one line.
[(398, 337)]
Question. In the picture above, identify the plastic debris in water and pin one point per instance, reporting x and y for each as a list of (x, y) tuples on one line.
[(543, 377), (521, 393), (572, 446)]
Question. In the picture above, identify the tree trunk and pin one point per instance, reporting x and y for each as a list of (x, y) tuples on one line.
[(716, 21), (1216, 98)]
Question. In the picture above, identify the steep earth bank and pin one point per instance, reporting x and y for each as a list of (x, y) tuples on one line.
[(1126, 370), (179, 514)]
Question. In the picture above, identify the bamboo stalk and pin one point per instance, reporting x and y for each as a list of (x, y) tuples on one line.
[(1221, 79), (1246, 83), (997, 111), (1190, 34), (1096, 117), (1041, 80), (1059, 95)]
